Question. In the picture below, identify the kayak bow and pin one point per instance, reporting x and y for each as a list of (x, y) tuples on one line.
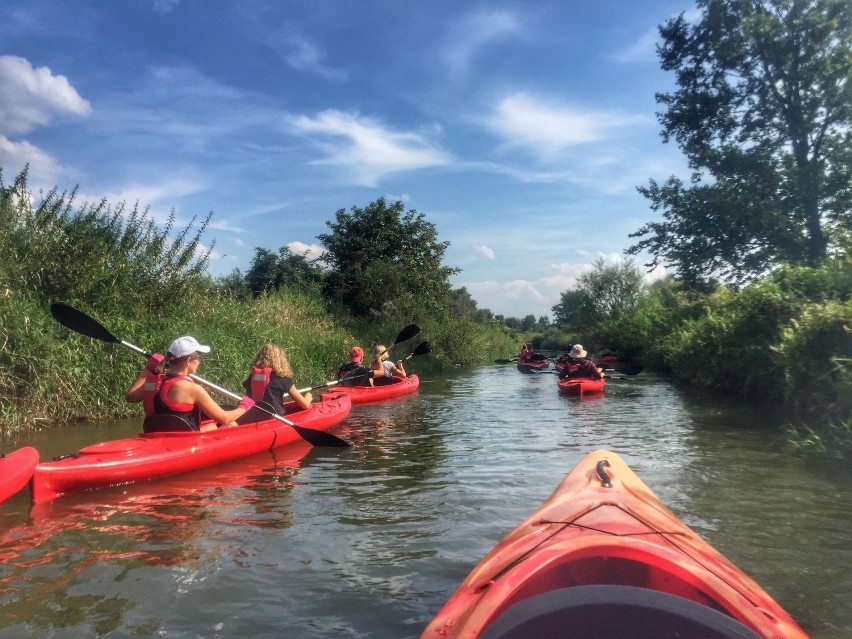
[(602, 557)]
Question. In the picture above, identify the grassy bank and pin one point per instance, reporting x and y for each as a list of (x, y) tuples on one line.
[(50, 375)]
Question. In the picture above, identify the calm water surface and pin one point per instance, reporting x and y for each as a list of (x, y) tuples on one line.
[(371, 541)]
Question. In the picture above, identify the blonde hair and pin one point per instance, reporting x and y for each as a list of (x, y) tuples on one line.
[(273, 356), (380, 353)]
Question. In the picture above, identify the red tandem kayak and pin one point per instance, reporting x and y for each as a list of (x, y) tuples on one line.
[(158, 454), (580, 385), (16, 468), (602, 557), (363, 394)]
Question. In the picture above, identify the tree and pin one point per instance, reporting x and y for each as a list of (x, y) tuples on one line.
[(382, 257), (762, 111), (269, 272), (604, 293)]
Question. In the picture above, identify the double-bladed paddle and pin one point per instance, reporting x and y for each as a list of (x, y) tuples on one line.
[(79, 322)]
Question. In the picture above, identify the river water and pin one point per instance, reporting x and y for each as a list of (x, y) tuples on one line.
[(368, 542)]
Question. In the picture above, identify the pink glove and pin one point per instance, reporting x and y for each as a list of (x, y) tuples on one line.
[(246, 403), (154, 361)]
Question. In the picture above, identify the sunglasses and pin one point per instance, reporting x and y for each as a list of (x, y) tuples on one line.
[(196, 357)]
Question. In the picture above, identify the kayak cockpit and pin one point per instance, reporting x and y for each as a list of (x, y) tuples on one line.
[(593, 612)]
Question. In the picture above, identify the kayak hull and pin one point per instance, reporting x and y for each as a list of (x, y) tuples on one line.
[(365, 394), (613, 539), (533, 366), (16, 468), (581, 386), (160, 454)]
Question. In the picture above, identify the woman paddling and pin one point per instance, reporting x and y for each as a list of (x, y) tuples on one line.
[(385, 369), (272, 377), (175, 392)]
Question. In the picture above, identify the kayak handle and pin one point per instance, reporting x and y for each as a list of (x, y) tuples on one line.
[(599, 467), (66, 456)]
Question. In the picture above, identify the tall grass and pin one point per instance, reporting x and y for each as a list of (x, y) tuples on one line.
[(148, 285)]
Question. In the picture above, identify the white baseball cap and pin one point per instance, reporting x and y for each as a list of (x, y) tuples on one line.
[(186, 345)]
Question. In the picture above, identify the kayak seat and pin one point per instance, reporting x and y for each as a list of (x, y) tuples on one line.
[(613, 612), (165, 424)]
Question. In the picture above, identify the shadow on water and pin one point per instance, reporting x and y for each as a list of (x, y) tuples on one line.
[(370, 541)]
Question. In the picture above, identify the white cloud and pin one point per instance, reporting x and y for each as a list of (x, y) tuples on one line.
[(310, 252), (484, 251), (306, 57), (31, 97), (476, 31), (644, 49), (150, 195), (523, 120), (43, 168), (364, 148)]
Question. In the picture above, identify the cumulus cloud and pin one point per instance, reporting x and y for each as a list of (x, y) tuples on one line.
[(43, 168), (310, 252), (524, 120), (31, 97), (364, 148), (484, 251)]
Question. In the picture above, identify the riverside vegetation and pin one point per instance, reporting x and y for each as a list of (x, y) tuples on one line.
[(785, 339)]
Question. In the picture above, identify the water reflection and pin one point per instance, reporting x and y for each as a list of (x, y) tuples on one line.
[(370, 541)]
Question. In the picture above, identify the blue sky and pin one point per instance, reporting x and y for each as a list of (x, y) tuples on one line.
[(519, 129)]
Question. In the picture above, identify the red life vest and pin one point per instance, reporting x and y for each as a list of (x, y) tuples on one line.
[(259, 381), (150, 388)]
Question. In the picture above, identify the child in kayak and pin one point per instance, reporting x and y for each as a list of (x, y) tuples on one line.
[(271, 379), (579, 365)]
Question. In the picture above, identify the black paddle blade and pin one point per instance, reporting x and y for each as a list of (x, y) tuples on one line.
[(79, 322), (423, 348), (505, 360), (407, 333)]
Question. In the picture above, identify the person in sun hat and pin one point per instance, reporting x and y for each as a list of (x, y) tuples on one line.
[(579, 365), (354, 373), (176, 393)]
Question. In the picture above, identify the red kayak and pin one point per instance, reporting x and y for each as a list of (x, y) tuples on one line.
[(533, 366), (16, 468), (581, 385), (158, 454), (602, 557), (363, 394)]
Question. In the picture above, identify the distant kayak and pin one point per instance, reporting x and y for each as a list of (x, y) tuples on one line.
[(534, 366), (603, 558), (580, 386), (16, 468), (160, 454), (364, 394)]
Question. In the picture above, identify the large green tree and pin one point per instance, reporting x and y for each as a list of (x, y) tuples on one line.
[(269, 272), (602, 293), (762, 110), (382, 258)]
